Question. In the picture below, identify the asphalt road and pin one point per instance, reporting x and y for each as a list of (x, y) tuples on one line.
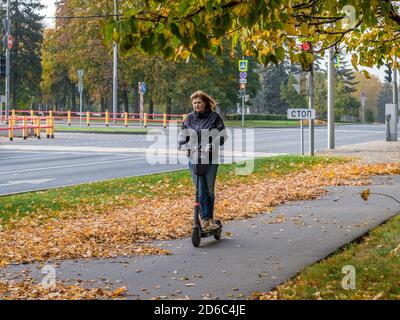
[(74, 158)]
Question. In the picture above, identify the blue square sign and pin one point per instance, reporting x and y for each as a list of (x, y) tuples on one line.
[(243, 65)]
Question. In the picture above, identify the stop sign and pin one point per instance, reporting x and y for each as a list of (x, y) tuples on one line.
[(9, 42)]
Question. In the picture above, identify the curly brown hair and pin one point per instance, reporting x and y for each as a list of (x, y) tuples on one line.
[(208, 100)]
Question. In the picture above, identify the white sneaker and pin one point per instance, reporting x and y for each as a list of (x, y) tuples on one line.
[(205, 225), (213, 224)]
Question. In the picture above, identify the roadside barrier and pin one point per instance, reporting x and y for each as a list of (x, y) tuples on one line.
[(105, 118), (18, 126)]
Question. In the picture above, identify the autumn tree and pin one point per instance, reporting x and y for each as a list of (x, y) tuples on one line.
[(372, 88), (268, 30), (26, 29)]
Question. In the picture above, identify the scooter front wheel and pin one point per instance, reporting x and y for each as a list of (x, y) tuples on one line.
[(196, 236)]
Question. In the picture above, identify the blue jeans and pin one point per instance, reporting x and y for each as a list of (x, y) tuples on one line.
[(206, 190)]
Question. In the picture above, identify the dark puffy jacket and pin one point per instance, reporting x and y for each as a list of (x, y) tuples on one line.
[(200, 121)]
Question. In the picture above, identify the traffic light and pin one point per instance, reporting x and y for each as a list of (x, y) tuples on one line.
[(2, 65), (306, 57), (306, 46), (388, 72)]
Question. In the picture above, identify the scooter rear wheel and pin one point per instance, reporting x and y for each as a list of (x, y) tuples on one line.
[(196, 237), (217, 234)]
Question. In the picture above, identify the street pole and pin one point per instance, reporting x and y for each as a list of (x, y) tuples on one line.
[(80, 88), (331, 110), (396, 102), (115, 69), (80, 110), (302, 136), (243, 99), (7, 93), (311, 106)]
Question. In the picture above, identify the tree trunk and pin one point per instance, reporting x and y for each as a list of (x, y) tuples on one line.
[(73, 97), (125, 99), (102, 105), (136, 107), (151, 107), (168, 107)]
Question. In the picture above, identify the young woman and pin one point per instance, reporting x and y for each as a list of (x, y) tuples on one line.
[(204, 127)]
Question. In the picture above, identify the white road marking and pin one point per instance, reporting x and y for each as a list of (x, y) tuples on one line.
[(33, 181), (71, 165), (37, 154)]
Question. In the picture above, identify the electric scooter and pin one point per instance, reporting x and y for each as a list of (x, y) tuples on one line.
[(197, 233)]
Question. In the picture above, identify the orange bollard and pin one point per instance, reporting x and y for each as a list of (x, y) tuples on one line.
[(126, 119), (47, 127), (165, 120), (25, 128), (107, 118), (69, 118), (39, 128), (88, 118), (145, 120), (52, 127), (11, 129)]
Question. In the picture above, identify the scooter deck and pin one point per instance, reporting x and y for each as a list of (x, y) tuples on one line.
[(209, 233)]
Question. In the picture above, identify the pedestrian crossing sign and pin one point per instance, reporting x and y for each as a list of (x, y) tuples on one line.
[(243, 65)]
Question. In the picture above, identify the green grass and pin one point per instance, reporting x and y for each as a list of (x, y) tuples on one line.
[(377, 270), (261, 123), (102, 196)]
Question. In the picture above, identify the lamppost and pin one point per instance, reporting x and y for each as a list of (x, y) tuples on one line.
[(115, 69)]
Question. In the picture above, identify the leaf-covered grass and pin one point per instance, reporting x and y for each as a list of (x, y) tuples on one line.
[(376, 260), (107, 195)]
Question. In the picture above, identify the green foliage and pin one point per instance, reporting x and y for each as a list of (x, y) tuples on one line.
[(76, 44), (290, 95), (27, 32), (266, 30)]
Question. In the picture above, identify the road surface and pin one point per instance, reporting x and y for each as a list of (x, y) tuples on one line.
[(75, 158)]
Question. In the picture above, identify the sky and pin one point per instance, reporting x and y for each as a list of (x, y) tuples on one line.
[(49, 11)]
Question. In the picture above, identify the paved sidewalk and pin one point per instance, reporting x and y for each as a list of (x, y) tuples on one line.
[(370, 152)]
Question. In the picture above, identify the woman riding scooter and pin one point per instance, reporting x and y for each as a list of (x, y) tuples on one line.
[(204, 131)]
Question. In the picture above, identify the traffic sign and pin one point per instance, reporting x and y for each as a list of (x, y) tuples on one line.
[(363, 98), (144, 88), (242, 81), (301, 83), (300, 114), (9, 42), (336, 61), (243, 75), (242, 86), (243, 65), (80, 84)]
